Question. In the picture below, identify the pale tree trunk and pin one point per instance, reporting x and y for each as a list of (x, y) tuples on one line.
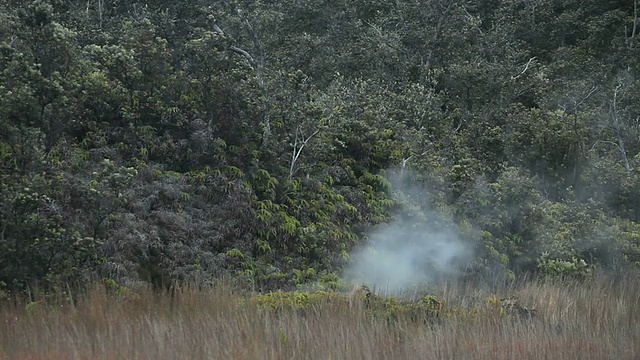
[(257, 63), (635, 19), (617, 126), (100, 7), (442, 18)]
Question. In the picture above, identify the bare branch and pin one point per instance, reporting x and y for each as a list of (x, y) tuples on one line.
[(255, 64), (471, 18), (617, 126), (404, 161), (526, 67), (605, 142), (442, 17), (297, 148), (459, 126), (244, 53), (217, 29), (585, 98), (635, 19)]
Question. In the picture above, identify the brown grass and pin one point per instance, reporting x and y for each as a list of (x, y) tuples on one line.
[(598, 319)]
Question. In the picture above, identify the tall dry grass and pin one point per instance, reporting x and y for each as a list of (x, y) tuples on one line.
[(597, 319)]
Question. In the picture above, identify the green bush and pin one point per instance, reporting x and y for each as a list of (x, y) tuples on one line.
[(576, 268)]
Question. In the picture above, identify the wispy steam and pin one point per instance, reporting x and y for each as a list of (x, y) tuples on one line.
[(408, 252)]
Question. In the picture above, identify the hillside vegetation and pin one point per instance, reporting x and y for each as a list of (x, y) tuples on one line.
[(180, 142)]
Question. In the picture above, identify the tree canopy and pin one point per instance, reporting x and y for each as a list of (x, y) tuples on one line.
[(182, 141)]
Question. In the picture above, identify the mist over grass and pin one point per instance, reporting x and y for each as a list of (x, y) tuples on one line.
[(412, 250), (403, 255)]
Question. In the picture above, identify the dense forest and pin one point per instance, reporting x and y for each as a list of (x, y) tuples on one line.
[(266, 140)]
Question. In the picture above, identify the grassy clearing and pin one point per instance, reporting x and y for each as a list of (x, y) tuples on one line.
[(596, 319)]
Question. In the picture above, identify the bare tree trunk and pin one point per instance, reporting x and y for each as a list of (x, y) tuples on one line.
[(257, 63), (100, 6), (618, 128), (635, 19), (443, 15)]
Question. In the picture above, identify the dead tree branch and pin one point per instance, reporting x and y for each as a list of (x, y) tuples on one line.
[(257, 65), (526, 67), (299, 143), (617, 126)]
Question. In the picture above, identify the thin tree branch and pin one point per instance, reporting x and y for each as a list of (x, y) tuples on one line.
[(593, 89), (635, 19), (618, 128), (295, 154), (244, 53), (444, 14), (526, 67), (256, 65), (605, 142), (217, 29)]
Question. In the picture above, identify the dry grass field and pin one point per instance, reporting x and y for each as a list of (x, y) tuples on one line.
[(594, 319)]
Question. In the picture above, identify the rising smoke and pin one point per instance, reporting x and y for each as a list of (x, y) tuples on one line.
[(410, 251)]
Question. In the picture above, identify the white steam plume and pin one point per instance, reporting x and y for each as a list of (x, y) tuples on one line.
[(406, 253)]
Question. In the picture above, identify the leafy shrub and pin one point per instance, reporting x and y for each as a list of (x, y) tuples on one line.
[(425, 309), (576, 268)]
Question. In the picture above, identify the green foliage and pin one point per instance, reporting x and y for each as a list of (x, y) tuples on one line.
[(116, 288), (265, 139), (424, 310), (36, 244), (427, 308), (300, 300), (562, 268)]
